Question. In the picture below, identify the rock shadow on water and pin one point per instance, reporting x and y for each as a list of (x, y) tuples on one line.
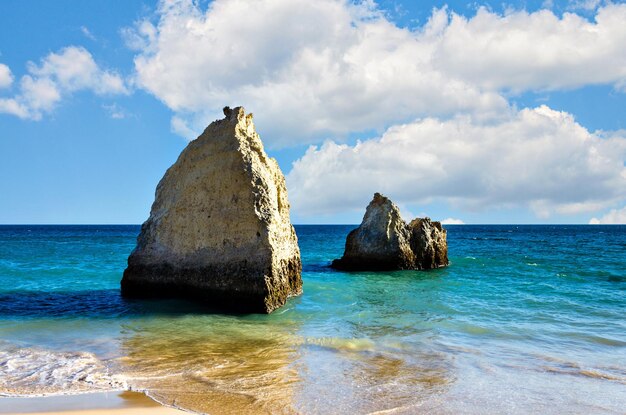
[(106, 303)]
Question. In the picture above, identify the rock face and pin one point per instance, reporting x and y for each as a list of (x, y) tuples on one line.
[(384, 241), (219, 229)]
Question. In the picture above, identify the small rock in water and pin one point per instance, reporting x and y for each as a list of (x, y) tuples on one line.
[(219, 229), (384, 241)]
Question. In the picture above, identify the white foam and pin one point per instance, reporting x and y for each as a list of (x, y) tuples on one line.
[(30, 371)]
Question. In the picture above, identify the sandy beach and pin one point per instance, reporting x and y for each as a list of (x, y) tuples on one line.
[(118, 403)]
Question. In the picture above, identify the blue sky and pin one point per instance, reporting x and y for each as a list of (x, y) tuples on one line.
[(482, 112)]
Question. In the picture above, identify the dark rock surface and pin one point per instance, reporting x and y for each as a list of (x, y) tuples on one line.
[(384, 241)]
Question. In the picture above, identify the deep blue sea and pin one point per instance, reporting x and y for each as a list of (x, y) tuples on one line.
[(526, 319)]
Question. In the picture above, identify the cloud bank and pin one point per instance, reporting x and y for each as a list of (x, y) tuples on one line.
[(613, 217), (533, 51), (538, 158), (307, 69), (330, 68), (327, 68), (436, 97)]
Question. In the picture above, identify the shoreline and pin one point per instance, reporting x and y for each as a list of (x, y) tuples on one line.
[(92, 403)]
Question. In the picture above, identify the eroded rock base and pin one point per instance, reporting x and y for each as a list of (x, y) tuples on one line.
[(228, 287)]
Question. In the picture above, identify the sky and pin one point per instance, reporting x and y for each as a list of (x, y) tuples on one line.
[(466, 112)]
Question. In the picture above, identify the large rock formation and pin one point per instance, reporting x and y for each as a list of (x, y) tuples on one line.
[(384, 241), (219, 228)]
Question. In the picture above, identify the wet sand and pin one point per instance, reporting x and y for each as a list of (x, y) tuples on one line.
[(86, 404)]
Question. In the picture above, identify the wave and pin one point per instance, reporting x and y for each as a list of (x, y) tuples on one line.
[(30, 371)]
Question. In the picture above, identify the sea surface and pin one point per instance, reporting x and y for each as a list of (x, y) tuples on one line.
[(526, 319)]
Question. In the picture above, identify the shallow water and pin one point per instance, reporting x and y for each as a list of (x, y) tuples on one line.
[(526, 319)]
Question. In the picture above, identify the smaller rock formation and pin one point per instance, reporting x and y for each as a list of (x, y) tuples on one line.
[(219, 228), (384, 241)]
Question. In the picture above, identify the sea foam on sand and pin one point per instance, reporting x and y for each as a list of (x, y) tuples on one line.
[(37, 372)]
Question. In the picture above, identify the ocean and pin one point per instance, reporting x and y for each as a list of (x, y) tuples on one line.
[(526, 319)]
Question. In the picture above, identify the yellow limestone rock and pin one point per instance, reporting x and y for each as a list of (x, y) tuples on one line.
[(219, 229)]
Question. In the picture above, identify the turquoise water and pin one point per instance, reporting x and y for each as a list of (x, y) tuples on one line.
[(526, 319)]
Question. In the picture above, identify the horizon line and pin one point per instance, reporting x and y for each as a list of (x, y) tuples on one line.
[(329, 224)]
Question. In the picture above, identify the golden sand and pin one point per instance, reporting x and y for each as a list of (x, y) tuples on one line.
[(116, 403)]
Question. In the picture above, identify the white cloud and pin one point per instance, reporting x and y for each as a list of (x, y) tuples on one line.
[(140, 37), (115, 111), (311, 70), (452, 221), (614, 217), (180, 127), (85, 31), (537, 158), (584, 4), (522, 51), (74, 68), (11, 106), (71, 69), (307, 69), (6, 77), (39, 94)]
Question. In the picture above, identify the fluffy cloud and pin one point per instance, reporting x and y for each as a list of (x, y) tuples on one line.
[(332, 67), (12, 106), (6, 77), (307, 69), (537, 158), (452, 221), (614, 217), (522, 51), (58, 74), (584, 4)]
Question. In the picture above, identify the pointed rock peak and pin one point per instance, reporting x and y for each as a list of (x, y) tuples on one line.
[(378, 197), (237, 114), (380, 200), (382, 211), (242, 122)]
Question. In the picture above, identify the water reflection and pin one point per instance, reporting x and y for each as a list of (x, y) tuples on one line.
[(214, 364), (285, 363)]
